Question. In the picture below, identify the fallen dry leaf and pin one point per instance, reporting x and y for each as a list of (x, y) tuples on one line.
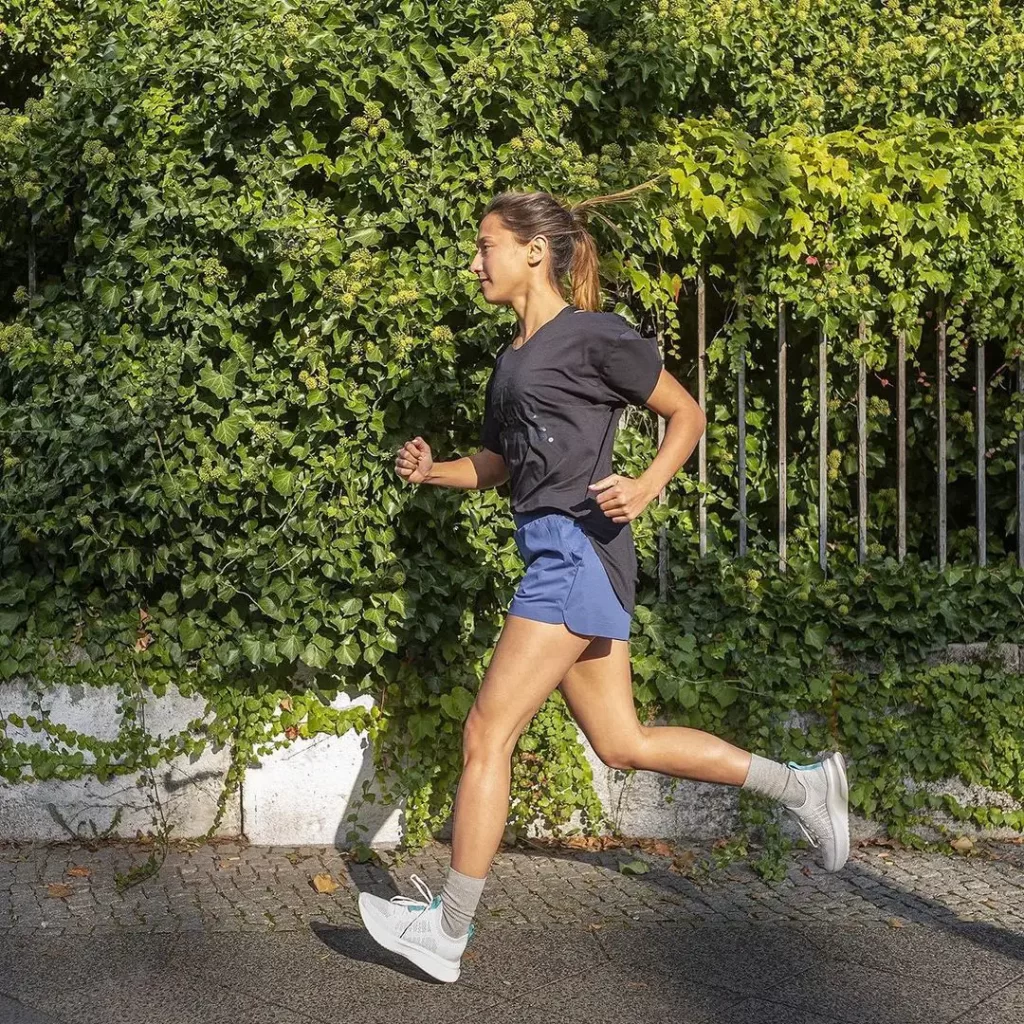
[(963, 845), (59, 890), (79, 872), (324, 883), (291, 732), (285, 704), (895, 922)]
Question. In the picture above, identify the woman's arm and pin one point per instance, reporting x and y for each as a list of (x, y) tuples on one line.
[(623, 498), (686, 423), (478, 471)]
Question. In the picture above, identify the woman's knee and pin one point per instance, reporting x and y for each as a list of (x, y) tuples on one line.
[(485, 737), (622, 752)]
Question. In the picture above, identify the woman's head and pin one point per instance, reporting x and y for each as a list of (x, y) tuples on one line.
[(528, 239)]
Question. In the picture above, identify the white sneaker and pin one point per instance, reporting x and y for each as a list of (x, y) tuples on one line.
[(824, 816), (412, 928)]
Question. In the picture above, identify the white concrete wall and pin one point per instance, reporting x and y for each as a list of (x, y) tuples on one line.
[(303, 793), (188, 786)]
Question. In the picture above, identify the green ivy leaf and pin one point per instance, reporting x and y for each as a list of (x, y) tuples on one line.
[(816, 636), (221, 385), (282, 480), (302, 95)]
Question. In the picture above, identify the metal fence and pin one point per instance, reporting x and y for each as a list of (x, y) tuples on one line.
[(862, 447)]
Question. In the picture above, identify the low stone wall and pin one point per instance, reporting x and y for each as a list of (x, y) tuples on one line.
[(303, 794)]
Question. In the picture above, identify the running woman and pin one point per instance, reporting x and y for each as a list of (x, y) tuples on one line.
[(553, 400)]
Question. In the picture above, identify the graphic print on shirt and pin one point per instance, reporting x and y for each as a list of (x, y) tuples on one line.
[(525, 428)]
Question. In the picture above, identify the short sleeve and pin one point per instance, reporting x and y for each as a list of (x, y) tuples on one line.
[(490, 432), (629, 365)]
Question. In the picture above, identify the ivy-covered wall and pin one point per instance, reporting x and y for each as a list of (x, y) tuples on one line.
[(250, 228)]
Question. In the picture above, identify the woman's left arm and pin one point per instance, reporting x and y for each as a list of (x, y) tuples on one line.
[(623, 498)]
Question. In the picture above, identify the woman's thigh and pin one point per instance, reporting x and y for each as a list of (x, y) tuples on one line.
[(529, 661), (599, 691)]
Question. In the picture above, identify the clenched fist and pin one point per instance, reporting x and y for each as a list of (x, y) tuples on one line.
[(414, 461)]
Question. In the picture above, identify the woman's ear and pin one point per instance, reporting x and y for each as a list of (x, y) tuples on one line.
[(538, 247)]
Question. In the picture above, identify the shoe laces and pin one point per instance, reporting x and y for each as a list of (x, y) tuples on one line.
[(412, 902), (811, 837)]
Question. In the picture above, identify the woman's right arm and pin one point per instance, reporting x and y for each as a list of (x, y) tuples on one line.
[(478, 471), (415, 464)]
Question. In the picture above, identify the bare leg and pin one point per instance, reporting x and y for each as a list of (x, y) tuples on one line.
[(528, 663), (599, 693)]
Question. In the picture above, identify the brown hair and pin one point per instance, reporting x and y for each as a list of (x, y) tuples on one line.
[(573, 251)]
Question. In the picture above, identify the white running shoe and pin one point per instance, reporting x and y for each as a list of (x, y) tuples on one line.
[(824, 816), (412, 928)]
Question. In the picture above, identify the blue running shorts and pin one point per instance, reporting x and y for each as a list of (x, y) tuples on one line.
[(565, 580)]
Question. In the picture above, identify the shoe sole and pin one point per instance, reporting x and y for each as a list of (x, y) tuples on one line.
[(426, 961), (837, 803)]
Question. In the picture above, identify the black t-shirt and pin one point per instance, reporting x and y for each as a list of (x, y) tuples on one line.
[(551, 410)]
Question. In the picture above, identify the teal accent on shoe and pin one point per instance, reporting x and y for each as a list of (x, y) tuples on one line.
[(413, 907), (471, 930), (435, 902), (804, 767)]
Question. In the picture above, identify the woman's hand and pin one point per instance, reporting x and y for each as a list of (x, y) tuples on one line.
[(414, 461), (622, 498)]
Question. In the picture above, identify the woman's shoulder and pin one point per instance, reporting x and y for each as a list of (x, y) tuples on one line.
[(603, 317), (603, 322)]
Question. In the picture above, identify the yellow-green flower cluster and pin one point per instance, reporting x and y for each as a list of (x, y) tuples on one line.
[(264, 434), (162, 18), (294, 25), (10, 459), (676, 11), (212, 271), (528, 138), (12, 128), (403, 295), (315, 380), (517, 18), (576, 46), (372, 122), (403, 343), (344, 285), (64, 354), (13, 337), (42, 110), (951, 28), (95, 153), (476, 71), (210, 471)]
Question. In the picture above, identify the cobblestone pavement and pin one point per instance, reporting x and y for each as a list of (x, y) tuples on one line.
[(231, 886), (227, 932)]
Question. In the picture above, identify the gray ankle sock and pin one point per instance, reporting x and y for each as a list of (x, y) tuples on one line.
[(459, 899), (774, 780)]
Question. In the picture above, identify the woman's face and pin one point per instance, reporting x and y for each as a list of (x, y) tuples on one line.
[(503, 266)]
